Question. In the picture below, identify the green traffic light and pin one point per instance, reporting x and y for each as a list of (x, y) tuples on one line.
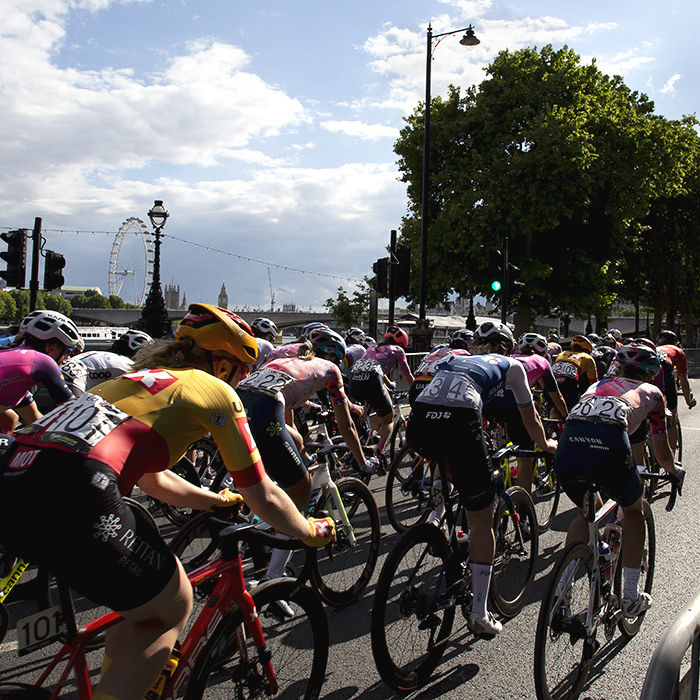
[(496, 286)]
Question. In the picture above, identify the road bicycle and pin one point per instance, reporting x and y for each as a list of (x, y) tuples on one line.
[(241, 643), (426, 578), (16, 569), (342, 570), (585, 596), (397, 441)]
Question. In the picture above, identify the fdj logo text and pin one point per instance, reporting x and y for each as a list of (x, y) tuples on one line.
[(437, 415)]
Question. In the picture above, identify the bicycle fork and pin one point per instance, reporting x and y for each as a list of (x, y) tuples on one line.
[(322, 484)]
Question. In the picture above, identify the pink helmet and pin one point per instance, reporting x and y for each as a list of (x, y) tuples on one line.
[(397, 336)]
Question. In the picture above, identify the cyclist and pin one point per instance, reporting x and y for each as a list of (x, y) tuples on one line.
[(669, 347), (532, 354), (370, 376), (265, 331), (45, 340), (131, 429), (575, 369), (595, 446), (285, 384), (446, 425), (553, 347)]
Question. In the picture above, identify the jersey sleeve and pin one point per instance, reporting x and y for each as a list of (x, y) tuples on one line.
[(334, 384), (48, 373), (403, 365), (588, 365), (516, 379)]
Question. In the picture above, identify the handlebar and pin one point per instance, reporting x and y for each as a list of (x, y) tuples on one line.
[(676, 486)]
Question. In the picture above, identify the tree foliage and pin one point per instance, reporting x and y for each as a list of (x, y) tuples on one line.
[(564, 161), (349, 310)]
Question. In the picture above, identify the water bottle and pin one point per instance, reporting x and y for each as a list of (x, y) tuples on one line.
[(166, 674), (613, 536)]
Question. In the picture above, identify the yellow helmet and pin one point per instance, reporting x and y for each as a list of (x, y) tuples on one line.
[(580, 342), (218, 330)]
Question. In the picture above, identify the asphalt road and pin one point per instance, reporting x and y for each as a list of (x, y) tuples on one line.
[(501, 668)]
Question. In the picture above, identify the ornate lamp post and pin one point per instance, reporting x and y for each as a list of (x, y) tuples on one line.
[(470, 41), (154, 318)]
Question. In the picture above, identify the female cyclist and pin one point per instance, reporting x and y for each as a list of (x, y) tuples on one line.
[(370, 374), (45, 340), (77, 462)]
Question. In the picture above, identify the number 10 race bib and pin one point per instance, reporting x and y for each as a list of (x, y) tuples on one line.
[(78, 424)]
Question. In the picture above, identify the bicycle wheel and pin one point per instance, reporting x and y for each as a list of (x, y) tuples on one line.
[(545, 490), (652, 466), (397, 441), (179, 515), (630, 626), (414, 608), (298, 647), (517, 541), (679, 449), (563, 654), (23, 691), (407, 490), (343, 570)]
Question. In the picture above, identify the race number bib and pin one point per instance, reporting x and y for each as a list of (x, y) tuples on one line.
[(429, 369), (451, 389), (267, 381), (78, 424), (564, 369), (601, 409), (362, 369)]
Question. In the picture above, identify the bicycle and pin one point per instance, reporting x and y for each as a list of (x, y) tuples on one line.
[(426, 577), (241, 643), (342, 570), (583, 598), (397, 441)]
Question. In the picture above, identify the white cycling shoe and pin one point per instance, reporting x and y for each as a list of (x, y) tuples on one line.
[(634, 608), (487, 626)]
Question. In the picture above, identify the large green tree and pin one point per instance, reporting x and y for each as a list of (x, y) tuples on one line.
[(549, 152)]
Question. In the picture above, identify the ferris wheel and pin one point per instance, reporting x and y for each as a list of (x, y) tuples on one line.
[(131, 259)]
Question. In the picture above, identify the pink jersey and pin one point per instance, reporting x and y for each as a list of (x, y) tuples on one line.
[(427, 368), (388, 357), (294, 380), (622, 401), (21, 368), (676, 357), (289, 350), (537, 367)]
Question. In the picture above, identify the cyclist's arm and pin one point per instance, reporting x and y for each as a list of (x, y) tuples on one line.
[(535, 429), (559, 403), (171, 488), (662, 451), (348, 430), (687, 393), (28, 412), (8, 421), (47, 372)]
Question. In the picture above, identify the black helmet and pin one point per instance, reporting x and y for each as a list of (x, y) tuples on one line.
[(667, 338)]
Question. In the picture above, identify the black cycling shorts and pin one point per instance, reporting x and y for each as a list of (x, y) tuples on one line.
[(65, 512), (600, 454), (374, 392), (278, 451), (455, 436)]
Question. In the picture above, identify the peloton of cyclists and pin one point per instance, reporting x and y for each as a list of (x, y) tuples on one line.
[(575, 369)]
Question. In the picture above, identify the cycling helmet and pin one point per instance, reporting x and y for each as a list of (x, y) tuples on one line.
[(533, 343), (355, 336), (646, 342), (397, 336), (263, 326), (580, 342), (52, 325), (552, 338), (218, 330), (328, 342), (639, 356), (594, 338), (135, 339), (609, 341), (667, 338), (369, 340), (463, 338), (495, 333), (615, 334), (310, 327)]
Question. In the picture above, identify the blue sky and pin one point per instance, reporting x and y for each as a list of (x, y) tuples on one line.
[(266, 127)]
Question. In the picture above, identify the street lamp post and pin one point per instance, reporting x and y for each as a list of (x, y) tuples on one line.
[(154, 318), (469, 40)]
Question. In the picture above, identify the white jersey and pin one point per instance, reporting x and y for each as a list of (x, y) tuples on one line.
[(264, 349), (88, 369)]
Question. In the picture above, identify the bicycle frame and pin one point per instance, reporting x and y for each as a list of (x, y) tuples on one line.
[(322, 486), (229, 589), (8, 583)]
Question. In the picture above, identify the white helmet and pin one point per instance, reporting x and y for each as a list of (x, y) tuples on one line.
[(533, 341), (52, 325), (135, 339)]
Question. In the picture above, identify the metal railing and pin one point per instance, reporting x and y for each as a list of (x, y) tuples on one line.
[(663, 680)]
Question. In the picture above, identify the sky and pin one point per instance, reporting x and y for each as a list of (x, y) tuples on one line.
[(266, 127)]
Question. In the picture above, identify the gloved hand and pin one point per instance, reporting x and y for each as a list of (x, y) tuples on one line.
[(371, 465), (228, 499), (390, 384), (321, 532)]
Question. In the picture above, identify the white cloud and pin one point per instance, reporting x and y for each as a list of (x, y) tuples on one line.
[(669, 88), (369, 132)]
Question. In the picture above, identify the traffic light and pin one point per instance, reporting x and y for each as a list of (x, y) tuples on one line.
[(496, 269), (53, 270), (381, 281), (516, 286), (402, 271), (16, 257)]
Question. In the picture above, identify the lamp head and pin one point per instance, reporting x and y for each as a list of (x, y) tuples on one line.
[(469, 39), (158, 215)]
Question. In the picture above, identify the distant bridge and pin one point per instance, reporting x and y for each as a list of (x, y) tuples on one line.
[(129, 317)]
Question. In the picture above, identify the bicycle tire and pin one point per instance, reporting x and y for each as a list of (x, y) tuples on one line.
[(179, 515), (342, 571), (298, 646), (407, 492), (652, 466), (397, 441), (517, 544), (679, 446), (409, 629), (563, 657), (23, 691), (546, 490), (629, 627)]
